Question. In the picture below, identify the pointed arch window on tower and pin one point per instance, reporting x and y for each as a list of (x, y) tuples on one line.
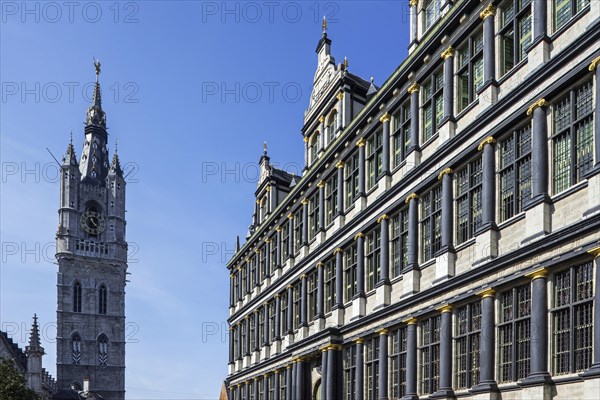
[(102, 297), (76, 349), (102, 350), (77, 297)]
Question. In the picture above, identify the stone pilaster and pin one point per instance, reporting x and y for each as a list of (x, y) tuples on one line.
[(383, 365), (413, 156), (324, 372), (487, 235), (539, 51), (304, 240), (385, 158), (231, 343), (304, 303), (384, 286), (489, 91), (322, 136), (278, 253), (337, 310), (333, 372), (593, 176), (277, 318), (321, 186), (231, 290), (359, 301), (257, 343), (411, 360), (414, 27), (290, 311), (340, 190), (362, 193), (267, 329), (289, 390), (247, 323), (256, 383), (538, 375), (538, 212), (411, 274), (445, 390), (257, 272), (291, 236), (320, 315), (276, 386)]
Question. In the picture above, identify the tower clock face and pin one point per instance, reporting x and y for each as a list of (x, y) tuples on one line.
[(92, 222)]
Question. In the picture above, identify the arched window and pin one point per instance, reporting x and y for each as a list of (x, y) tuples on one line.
[(102, 350), (76, 348), (314, 146), (102, 293), (332, 127), (77, 297)]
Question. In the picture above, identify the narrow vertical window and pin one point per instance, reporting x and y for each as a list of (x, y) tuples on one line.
[(102, 297), (431, 12), (373, 258), (432, 104), (350, 261), (514, 334), (297, 297), (431, 223), (252, 332), (329, 285), (313, 215), (349, 365), (102, 350), (285, 240), (429, 355), (468, 201), (515, 172), (283, 385), (398, 363), (332, 127), (272, 313), (401, 133), (314, 146), (351, 180), (311, 304), (284, 311), (374, 158), (371, 368), (564, 10), (77, 297), (331, 199), (298, 230), (515, 32), (399, 242), (470, 70), (273, 253), (76, 349)]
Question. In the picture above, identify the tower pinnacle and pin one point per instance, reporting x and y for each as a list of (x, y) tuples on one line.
[(95, 114), (34, 338)]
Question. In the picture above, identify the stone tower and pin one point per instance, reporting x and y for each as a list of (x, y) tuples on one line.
[(34, 352), (92, 263)]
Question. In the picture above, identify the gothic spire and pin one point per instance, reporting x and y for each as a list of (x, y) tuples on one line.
[(34, 338), (324, 41), (95, 114), (115, 165), (70, 158)]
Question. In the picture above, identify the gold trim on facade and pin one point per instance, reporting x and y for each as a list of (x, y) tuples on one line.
[(487, 140), (449, 52), (361, 142), (413, 88), (445, 308), (540, 103), (384, 216), (445, 171), (412, 196), (359, 235), (489, 11), (385, 118), (538, 273), (594, 63), (487, 293)]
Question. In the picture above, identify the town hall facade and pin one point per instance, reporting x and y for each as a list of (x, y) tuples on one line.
[(443, 240)]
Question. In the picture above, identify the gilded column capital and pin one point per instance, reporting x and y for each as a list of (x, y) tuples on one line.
[(304, 201), (410, 321), (338, 250), (339, 164), (359, 235), (449, 52), (594, 252), (320, 264), (321, 184), (538, 273), (489, 292), (322, 119), (488, 11), (340, 95), (361, 142), (487, 140), (594, 63), (413, 3), (278, 229), (290, 216), (359, 341), (385, 118), (412, 196), (305, 139), (383, 217), (446, 308), (445, 171), (383, 331), (540, 103), (268, 188), (413, 88)]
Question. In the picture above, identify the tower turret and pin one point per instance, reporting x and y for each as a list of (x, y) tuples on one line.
[(34, 352)]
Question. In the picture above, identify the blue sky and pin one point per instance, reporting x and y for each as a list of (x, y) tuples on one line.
[(191, 90)]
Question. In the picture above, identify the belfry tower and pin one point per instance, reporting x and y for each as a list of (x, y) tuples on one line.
[(92, 262)]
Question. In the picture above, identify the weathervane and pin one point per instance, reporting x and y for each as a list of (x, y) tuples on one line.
[(97, 66), (324, 25)]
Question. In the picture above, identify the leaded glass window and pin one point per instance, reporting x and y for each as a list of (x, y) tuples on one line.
[(374, 156), (329, 285), (298, 229), (468, 200), (297, 298), (433, 104), (400, 127), (252, 332), (371, 347), (313, 215), (398, 363), (467, 340), (311, 305), (573, 117), (349, 364), (514, 334), (515, 172), (429, 355), (431, 223), (350, 261), (515, 32), (76, 349), (373, 258), (564, 10), (282, 385), (470, 69), (285, 241), (399, 242), (431, 12), (331, 198), (351, 179), (572, 318)]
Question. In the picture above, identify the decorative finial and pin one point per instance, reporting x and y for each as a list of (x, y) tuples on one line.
[(324, 25), (346, 62), (265, 148), (97, 66), (71, 136), (116, 145), (372, 79)]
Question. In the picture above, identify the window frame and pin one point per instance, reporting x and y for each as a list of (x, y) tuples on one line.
[(473, 59), (511, 24), (371, 362), (471, 195), (350, 272), (329, 278), (351, 178), (372, 258), (400, 128), (574, 9), (467, 343), (374, 158), (331, 198), (397, 362), (399, 242), (313, 215), (432, 97), (349, 371), (431, 223), (429, 355)]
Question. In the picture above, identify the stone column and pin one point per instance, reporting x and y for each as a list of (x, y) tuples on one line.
[(489, 44), (411, 359), (385, 159), (540, 19), (291, 235), (413, 91), (487, 350), (446, 257), (255, 388), (276, 387), (324, 373), (266, 386), (289, 389), (445, 389), (290, 310), (487, 234), (247, 323), (538, 210), (303, 303), (340, 107), (320, 291), (359, 388), (277, 317), (257, 269), (240, 292), (231, 290), (231, 342), (278, 253), (593, 176), (413, 232), (256, 330), (414, 32), (238, 332), (339, 278), (448, 57), (321, 186), (538, 52), (538, 374), (333, 371), (300, 381), (247, 390), (322, 129), (340, 187), (305, 222), (384, 286), (383, 365), (361, 166), (266, 326), (360, 299), (594, 370)]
